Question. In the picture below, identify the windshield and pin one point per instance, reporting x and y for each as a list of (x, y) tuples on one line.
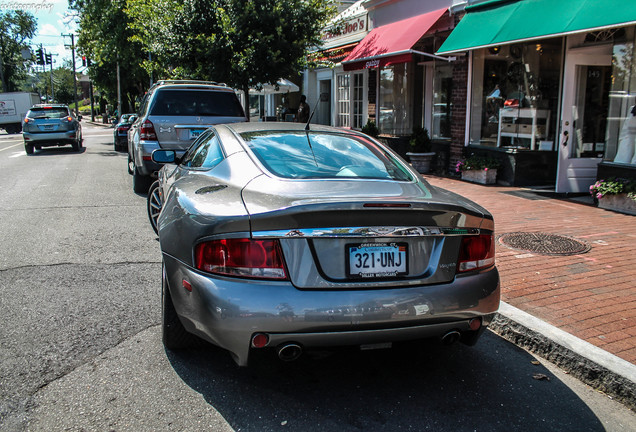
[(196, 103), (48, 113), (319, 155)]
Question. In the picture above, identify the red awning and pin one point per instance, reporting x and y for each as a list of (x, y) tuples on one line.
[(391, 43)]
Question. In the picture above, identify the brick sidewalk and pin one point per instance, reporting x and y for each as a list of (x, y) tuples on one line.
[(592, 295)]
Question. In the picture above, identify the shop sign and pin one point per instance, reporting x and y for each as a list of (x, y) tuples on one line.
[(345, 28)]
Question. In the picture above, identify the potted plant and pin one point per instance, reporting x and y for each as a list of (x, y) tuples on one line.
[(616, 194), (419, 152), (370, 129), (478, 169)]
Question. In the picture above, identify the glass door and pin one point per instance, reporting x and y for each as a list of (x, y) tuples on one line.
[(586, 90)]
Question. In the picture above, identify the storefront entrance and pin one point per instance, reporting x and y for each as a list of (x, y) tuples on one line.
[(586, 89)]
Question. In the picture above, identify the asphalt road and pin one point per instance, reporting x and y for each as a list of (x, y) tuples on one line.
[(80, 345)]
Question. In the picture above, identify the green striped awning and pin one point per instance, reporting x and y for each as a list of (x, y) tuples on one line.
[(496, 22)]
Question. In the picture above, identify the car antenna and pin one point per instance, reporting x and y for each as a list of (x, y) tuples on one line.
[(324, 97)]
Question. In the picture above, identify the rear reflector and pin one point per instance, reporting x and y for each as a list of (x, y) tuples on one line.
[(476, 252), (259, 340), (242, 257)]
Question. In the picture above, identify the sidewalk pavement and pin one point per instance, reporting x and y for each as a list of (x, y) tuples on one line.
[(578, 310)]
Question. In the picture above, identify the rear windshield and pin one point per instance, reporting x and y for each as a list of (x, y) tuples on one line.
[(196, 103), (48, 113), (317, 155)]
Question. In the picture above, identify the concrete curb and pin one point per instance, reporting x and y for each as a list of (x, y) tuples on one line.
[(595, 367)]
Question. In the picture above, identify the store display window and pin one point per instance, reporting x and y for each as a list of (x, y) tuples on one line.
[(515, 95), (621, 117), (396, 99)]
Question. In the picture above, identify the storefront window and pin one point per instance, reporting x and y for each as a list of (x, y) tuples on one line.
[(442, 88), (342, 82), (621, 118), (350, 92), (515, 95), (395, 100)]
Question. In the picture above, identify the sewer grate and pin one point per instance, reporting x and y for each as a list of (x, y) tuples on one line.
[(544, 243)]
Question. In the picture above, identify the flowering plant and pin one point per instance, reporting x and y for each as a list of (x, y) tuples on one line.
[(477, 163), (614, 186)]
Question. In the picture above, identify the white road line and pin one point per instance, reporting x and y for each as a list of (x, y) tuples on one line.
[(7, 148), (15, 155)]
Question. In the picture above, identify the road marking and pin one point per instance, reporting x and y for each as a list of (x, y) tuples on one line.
[(15, 155), (7, 148)]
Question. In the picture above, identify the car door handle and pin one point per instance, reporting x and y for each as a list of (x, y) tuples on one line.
[(566, 137)]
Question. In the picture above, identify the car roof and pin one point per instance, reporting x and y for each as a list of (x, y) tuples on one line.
[(193, 84), (49, 106)]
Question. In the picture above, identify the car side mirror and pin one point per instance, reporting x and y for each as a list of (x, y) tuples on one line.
[(164, 156)]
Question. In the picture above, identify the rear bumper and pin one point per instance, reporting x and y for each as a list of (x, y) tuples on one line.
[(229, 311), (50, 137)]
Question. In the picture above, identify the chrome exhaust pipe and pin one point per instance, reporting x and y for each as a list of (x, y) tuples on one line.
[(290, 352), (451, 337)]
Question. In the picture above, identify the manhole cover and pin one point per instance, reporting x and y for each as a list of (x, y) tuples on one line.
[(544, 243)]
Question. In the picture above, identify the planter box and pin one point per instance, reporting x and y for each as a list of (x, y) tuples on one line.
[(480, 176), (620, 203), (421, 161)]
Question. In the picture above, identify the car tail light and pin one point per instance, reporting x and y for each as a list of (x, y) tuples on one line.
[(147, 131), (26, 120), (243, 257), (476, 252), (69, 118)]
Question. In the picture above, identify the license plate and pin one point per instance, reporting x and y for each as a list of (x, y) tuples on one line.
[(194, 133), (49, 127), (376, 260)]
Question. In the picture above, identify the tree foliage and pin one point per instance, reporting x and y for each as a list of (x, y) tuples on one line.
[(105, 37), (16, 28), (243, 43)]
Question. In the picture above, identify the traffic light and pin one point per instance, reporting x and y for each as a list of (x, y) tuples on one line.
[(83, 60), (40, 56), (49, 59)]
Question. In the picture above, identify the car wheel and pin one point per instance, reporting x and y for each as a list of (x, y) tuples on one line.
[(28, 148), (76, 145), (141, 183), (154, 203), (131, 165), (173, 334)]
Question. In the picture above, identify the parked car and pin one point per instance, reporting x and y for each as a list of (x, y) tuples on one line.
[(172, 115), (277, 237), (120, 133), (47, 125)]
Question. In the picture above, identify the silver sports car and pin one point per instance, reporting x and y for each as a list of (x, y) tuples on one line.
[(278, 236)]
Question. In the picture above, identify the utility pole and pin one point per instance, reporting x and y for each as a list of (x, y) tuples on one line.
[(118, 92), (72, 47)]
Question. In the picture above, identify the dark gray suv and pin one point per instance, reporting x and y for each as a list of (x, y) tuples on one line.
[(172, 115)]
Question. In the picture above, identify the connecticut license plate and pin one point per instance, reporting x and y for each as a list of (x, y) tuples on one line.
[(376, 260), (194, 133)]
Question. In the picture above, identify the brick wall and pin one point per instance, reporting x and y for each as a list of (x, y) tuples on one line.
[(459, 97)]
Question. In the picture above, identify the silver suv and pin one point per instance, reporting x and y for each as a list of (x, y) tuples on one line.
[(172, 115), (48, 125)]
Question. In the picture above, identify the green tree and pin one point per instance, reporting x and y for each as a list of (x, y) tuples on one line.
[(105, 37), (243, 43), (16, 28)]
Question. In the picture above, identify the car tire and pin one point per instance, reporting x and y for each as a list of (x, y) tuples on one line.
[(141, 183), (76, 145), (154, 202), (173, 333), (131, 165), (28, 148)]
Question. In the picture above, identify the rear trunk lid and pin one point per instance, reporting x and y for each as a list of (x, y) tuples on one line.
[(344, 233)]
